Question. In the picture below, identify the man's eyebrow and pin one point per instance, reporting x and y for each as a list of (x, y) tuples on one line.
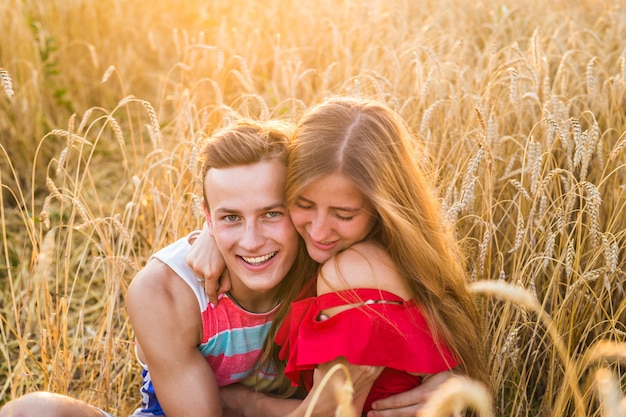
[(228, 210), (277, 205), (225, 210)]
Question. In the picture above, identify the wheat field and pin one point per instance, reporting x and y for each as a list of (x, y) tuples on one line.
[(520, 105)]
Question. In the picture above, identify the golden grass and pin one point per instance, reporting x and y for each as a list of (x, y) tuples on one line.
[(459, 394), (343, 392), (520, 106)]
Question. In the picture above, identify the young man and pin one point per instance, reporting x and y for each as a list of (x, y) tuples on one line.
[(190, 347)]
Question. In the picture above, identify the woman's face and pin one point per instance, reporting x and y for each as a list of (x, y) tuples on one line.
[(331, 214)]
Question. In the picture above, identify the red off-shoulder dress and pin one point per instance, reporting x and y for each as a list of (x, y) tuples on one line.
[(383, 330)]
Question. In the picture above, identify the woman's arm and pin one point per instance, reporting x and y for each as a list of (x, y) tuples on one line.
[(208, 264)]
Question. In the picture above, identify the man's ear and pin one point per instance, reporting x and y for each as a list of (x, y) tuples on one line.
[(207, 215)]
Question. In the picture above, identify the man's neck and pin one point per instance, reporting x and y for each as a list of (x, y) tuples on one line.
[(252, 301)]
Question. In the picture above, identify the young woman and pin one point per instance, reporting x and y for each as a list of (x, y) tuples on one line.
[(391, 290), (392, 287)]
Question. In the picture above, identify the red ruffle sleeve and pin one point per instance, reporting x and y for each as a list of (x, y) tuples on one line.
[(384, 331)]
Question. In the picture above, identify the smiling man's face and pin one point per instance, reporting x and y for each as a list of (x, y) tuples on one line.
[(251, 225)]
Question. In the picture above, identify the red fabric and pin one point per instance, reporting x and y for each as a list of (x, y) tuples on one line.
[(394, 335)]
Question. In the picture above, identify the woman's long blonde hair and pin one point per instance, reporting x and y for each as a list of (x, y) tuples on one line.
[(368, 143)]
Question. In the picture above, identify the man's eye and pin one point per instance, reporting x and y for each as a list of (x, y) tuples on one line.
[(273, 214), (231, 218)]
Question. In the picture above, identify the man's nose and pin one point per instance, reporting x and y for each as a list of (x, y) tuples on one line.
[(252, 237)]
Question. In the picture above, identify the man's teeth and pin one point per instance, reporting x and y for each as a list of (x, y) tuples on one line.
[(257, 260)]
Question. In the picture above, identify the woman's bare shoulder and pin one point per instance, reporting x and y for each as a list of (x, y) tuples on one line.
[(363, 265)]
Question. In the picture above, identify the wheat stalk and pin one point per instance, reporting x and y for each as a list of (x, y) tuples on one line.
[(519, 234), (457, 394), (611, 251), (604, 350), (107, 73), (44, 258), (610, 393), (594, 200), (7, 83), (522, 297), (591, 81), (513, 81), (345, 393), (155, 130)]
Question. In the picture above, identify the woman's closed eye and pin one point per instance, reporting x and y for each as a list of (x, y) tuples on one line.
[(303, 205), (344, 218)]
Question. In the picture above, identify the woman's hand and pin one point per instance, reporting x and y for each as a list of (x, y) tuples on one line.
[(409, 403), (208, 264)]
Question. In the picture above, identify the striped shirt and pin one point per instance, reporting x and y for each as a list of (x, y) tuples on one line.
[(232, 339)]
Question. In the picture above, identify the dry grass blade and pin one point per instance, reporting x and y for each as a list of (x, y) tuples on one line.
[(605, 350), (524, 298), (507, 291), (610, 393), (457, 394), (344, 399)]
